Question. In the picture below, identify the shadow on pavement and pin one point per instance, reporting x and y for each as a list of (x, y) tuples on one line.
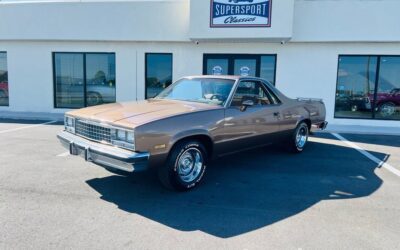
[(247, 191)]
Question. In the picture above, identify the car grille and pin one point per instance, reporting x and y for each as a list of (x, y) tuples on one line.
[(92, 131)]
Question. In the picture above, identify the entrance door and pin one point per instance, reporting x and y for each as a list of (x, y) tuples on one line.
[(263, 66), (246, 67)]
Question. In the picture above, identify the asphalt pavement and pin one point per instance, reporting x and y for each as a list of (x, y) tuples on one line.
[(332, 196)]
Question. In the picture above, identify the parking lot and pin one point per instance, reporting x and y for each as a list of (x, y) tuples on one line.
[(332, 196)]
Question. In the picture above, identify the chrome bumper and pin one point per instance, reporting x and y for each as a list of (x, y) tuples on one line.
[(319, 126), (104, 155)]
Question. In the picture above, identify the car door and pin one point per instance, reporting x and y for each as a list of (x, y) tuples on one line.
[(249, 125)]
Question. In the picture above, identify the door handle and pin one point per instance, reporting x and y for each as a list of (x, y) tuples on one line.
[(276, 113)]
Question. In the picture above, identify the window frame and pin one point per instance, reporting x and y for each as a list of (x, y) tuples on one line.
[(146, 71), (376, 85), (8, 85), (270, 95), (231, 61), (84, 76)]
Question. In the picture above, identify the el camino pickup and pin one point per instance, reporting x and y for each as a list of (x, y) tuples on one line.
[(192, 121)]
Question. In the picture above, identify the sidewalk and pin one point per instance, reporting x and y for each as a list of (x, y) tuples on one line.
[(31, 116), (368, 130)]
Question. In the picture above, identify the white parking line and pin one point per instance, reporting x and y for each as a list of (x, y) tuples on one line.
[(25, 127), (63, 154), (368, 155)]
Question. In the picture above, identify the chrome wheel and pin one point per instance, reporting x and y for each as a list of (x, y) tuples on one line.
[(301, 137), (189, 164), (387, 109)]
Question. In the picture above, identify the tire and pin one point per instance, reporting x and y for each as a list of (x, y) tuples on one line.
[(298, 140), (387, 109), (94, 98), (185, 166)]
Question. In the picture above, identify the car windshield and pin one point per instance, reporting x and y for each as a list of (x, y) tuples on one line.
[(204, 90)]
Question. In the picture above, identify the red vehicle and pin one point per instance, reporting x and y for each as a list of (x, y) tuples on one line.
[(3, 90), (387, 104)]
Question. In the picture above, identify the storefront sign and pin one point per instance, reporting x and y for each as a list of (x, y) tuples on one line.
[(240, 13)]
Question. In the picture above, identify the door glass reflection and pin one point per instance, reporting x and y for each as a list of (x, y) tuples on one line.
[(245, 67)]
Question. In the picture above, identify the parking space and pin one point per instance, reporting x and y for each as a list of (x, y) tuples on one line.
[(330, 196)]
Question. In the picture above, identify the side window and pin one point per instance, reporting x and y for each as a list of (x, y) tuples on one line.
[(271, 94), (254, 91)]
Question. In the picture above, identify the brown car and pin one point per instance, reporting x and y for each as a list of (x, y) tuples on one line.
[(192, 121)]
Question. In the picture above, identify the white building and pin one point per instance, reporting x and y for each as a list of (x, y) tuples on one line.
[(69, 54)]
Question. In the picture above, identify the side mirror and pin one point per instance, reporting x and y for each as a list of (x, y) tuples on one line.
[(246, 104)]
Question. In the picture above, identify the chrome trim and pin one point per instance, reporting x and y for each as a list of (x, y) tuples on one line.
[(230, 96), (305, 99), (104, 155), (319, 126), (93, 131), (129, 146), (323, 125)]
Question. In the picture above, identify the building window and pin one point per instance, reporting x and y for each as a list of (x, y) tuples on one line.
[(84, 79), (3, 79), (158, 73), (368, 87), (263, 66)]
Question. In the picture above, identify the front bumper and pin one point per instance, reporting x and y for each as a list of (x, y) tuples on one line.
[(104, 155)]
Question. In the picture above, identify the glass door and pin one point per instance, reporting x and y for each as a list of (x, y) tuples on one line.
[(217, 66), (245, 67), (240, 64)]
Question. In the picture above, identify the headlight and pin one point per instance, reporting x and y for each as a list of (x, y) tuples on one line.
[(123, 138), (130, 137), (69, 124), (121, 135)]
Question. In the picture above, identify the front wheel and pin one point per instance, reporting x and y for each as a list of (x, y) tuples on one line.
[(299, 138), (185, 166)]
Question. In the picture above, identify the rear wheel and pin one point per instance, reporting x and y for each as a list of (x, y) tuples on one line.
[(185, 166), (298, 140)]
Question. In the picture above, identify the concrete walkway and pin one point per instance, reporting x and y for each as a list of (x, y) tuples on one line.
[(366, 130)]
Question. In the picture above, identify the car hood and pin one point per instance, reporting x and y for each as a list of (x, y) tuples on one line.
[(133, 114)]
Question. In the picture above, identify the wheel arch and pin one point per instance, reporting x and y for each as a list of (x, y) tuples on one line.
[(306, 120), (203, 138)]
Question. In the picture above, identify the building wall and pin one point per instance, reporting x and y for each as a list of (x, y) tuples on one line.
[(140, 20), (346, 20), (303, 69), (183, 20)]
